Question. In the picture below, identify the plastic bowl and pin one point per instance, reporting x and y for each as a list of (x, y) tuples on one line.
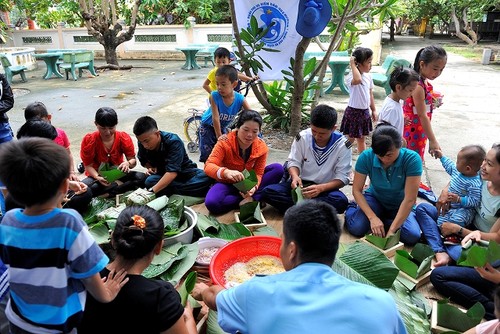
[(207, 242), (241, 250), (186, 236)]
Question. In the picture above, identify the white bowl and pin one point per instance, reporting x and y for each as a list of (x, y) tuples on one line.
[(207, 242), (186, 236)]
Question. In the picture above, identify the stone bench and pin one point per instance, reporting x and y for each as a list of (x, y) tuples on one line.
[(78, 60)]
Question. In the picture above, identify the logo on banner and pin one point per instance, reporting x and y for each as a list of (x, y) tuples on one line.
[(267, 13)]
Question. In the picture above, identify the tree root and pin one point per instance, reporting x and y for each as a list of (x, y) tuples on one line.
[(113, 67)]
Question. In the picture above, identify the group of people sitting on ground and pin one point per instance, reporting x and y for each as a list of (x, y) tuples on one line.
[(40, 179)]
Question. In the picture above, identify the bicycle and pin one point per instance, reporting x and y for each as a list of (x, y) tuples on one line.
[(192, 123)]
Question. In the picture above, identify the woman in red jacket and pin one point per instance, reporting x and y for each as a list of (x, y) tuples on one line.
[(239, 150)]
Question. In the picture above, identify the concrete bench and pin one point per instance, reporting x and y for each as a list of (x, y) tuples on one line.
[(382, 79), (207, 53), (61, 51), (78, 60), (11, 70)]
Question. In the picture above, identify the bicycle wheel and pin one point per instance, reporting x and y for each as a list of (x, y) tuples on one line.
[(191, 127)]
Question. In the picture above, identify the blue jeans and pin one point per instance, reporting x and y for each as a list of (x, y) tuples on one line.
[(465, 286), (358, 224), (280, 196), (427, 215), (224, 197), (196, 186)]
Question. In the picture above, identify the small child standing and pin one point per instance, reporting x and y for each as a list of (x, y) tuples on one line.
[(429, 64), (222, 57), (39, 110), (464, 191), (356, 123), (403, 82), (225, 104), (52, 258)]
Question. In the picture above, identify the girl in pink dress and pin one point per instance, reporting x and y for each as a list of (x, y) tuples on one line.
[(429, 64)]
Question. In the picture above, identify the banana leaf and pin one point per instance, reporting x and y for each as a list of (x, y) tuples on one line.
[(384, 243), (110, 173), (111, 213), (212, 324), (189, 200), (265, 230), (140, 197), (451, 317), (413, 308), (297, 195), (96, 205), (173, 217), (416, 263), (478, 255), (209, 226), (163, 261), (250, 213), (187, 286), (370, 263), (100, 232), (180, 267), (158, 203), (248, 183)]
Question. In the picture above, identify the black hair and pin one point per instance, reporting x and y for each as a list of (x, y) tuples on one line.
[(33, 169), (144, 124), (228, 71), (384, 138), (35, 110), (428, 55), (496, 147), (248, 115), (132, 241), (362, 54), (106, 117), (403, 76), (314, 226), (474, 155), (324, 116), (222, 52), (37, 128)]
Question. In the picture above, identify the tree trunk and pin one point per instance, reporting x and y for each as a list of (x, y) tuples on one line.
[(110, 54), (298, 92), (459, 33), (391, 30)]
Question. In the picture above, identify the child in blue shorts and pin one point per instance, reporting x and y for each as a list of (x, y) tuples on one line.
[(225, 104)]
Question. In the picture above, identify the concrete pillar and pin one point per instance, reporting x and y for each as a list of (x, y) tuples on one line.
[(189, 32), (60, 27)]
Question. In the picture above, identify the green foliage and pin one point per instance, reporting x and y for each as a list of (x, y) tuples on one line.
[(251, 45), (279, 95)]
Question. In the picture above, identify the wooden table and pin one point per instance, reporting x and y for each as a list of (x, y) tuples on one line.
[(190, 53), (50, 60), (338, 65)]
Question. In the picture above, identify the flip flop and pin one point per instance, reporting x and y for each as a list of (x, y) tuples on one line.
[(427, 195)]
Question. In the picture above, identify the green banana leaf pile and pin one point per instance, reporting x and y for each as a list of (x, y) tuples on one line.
[(172, 263)]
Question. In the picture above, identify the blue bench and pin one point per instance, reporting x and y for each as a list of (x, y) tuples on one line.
[(11, 70), (206, 52), (382, 79), (78, 60)]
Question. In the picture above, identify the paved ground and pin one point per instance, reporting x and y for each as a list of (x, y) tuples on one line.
[(470, 113)]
